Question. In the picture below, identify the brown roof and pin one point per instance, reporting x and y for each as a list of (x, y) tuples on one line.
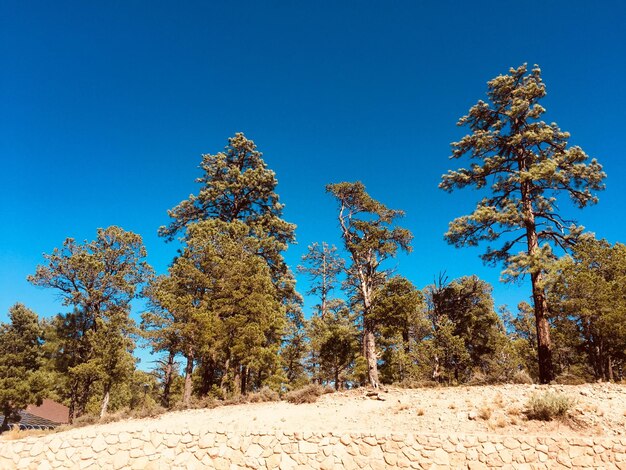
[(50, 410)]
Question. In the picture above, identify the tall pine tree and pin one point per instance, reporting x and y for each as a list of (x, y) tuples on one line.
[(371, 238), (525, 166)]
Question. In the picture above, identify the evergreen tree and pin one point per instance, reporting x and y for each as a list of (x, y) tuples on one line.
[(98, 280), (238, 186), (464, 320), (22, 380), (223, 308), (158, 327), (522, 333), (588, 292), (370, 238), (323, 265), (338, 344), (525, 164), (399, 312)]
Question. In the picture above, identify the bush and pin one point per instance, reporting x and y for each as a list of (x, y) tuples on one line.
[(568, 378), (521, 377), (548, 406), (149, 411), (85, 420), (196, 403), (412, 384), (264, 395), (485, 413), (16, 433), (478, 377), (308, 394)]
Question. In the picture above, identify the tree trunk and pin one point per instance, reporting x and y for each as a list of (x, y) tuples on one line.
[(369, 347), (72, 410), (224, 383), (167, 379), (237, 381), (369, 340), (188, 382), (544, 344), (5, 424), (244, 379), (105, 400)]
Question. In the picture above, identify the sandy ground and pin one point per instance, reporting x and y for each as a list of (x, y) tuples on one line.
[(599, 410)]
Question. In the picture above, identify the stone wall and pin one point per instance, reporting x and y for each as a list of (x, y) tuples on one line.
[(189, 448)]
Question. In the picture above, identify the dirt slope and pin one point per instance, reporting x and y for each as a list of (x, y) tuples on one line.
[(599, 410)]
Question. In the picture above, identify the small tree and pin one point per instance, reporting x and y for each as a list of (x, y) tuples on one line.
[(370, 238), (526, 165), (323, 266), (22, 381), (400, 313)]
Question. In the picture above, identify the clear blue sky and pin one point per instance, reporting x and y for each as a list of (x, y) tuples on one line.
[(106, 108)]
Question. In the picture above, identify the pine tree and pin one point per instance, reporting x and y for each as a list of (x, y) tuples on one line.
[(370, 238), (238, 186), (525, 165), (588, 291), (400, 314), (22, 381), (158, 327), (223, 306), (98, 280), (323, 265)]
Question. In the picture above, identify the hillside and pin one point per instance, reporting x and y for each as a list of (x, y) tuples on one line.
[(598, 410), (456, 427)]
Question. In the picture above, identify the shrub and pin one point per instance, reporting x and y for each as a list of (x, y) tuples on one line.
[(85, 420), (412, 384), (149, 411), (521, 377), (568, 378), (548, 406), (485, 413), (264, 395), (308, 394), (16, 433)]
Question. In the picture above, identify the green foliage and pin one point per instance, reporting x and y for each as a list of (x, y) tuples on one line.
[(400, 316), (337, 339), (323, 266), (221, 306), (468, 336), (308, 394), (237, 189), (22, 380), (588, 301), (522, 160), (522, 334), (93, 343), (332, 335), (237, 185), (548, 406)]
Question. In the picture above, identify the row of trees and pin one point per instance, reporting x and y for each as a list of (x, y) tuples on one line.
[(227, 309)]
